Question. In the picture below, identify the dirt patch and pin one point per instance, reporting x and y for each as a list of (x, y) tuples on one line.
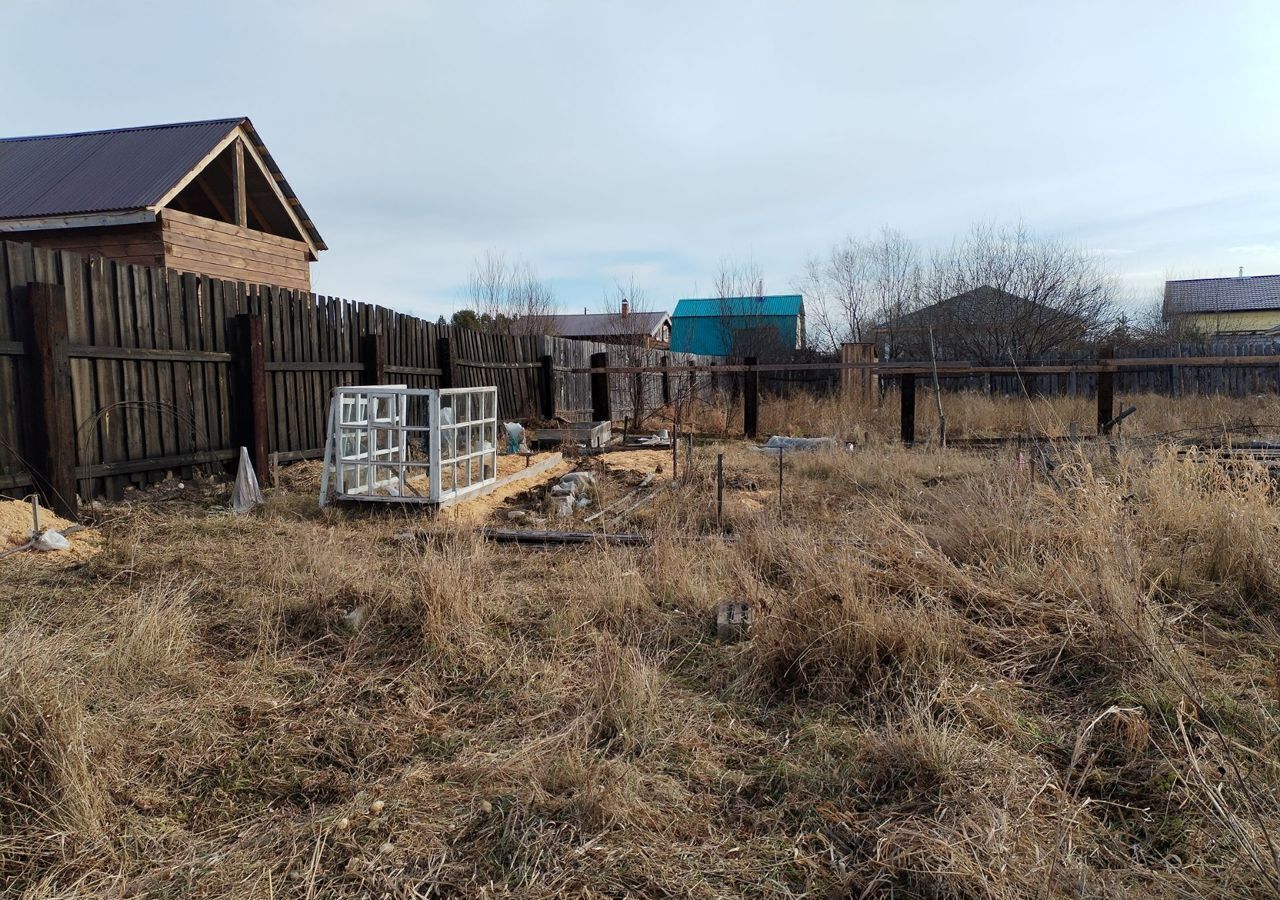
[(641, 462), (484, 507)]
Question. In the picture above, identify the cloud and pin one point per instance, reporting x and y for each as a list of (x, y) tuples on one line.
[(600, 141)]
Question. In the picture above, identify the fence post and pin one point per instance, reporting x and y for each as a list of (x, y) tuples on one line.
[(1106, 390), (600, 406), (448, 367), (50, 427), (251, 390), (374, 354), (856, 383), (750, 399), (666, 381), (548, 387), (907, 394)]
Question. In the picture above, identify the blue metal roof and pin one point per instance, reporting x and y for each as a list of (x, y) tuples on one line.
[(774, 305)]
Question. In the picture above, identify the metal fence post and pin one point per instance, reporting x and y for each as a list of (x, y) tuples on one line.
[(601, 408), (907, 394), (1106, 390), (751, 399)]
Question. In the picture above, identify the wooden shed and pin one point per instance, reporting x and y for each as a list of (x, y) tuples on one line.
[(203, 197)]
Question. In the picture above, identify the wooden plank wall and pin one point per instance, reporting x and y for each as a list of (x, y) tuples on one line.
[(152, 366)]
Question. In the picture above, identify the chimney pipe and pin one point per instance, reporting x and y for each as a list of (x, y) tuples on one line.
[(626, 307), (1241, 275)]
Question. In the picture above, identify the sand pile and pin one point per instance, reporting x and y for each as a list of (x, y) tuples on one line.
[(15, 530), (641, 462)]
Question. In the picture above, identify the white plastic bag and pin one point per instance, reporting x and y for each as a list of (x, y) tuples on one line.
[(51, 540), (246, 494)]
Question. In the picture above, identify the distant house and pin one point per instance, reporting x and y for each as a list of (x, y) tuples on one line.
[(764, 326), (640, 329), (202, 197), (986, 324), (1240, 305)]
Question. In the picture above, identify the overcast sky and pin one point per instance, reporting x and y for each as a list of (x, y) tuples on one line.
[(605, 140)]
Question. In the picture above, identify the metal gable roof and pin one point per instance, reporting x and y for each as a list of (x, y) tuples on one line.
[(771, 305), (1211, 295), (594, 324), (116, 170), (100, 171)]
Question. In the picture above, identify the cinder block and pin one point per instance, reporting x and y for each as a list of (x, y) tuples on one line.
[(733, 620)]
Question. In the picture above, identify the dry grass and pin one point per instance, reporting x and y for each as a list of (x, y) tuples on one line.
[(974, 415), (965, 680)]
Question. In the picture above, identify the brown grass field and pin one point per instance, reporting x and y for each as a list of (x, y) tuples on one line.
[(967, 678)]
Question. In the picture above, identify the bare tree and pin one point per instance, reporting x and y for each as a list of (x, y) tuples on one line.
[(628, 346), (506, 294), (738, 278), (738, 282), (1002, 293), (860, 284), (1152, 322)]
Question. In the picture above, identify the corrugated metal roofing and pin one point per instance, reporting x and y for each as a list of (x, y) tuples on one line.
[(772, 305), (101, 171), (1210, 295), (116, 170), (598, 324)]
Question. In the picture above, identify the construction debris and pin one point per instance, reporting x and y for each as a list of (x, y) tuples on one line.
[(574, 490), (661, 438), (779, 444), (733, 620), (589, 434)]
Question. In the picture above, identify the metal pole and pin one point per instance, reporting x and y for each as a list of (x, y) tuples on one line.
[(779, 482), (675, 439), (719, 488)]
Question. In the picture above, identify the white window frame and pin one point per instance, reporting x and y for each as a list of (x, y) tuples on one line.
[(371, 428)]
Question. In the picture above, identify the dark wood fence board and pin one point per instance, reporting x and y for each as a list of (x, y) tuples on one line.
[(11, 443)]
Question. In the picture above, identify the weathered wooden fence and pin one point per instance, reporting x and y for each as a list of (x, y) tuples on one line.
[(1167, 377), (115, 375)]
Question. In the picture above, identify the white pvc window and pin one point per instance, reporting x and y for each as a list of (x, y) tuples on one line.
[(399, 444)]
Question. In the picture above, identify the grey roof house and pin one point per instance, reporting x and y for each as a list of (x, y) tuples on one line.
[(644, 329), (204, 197), (985, 324), (1240, 305)]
